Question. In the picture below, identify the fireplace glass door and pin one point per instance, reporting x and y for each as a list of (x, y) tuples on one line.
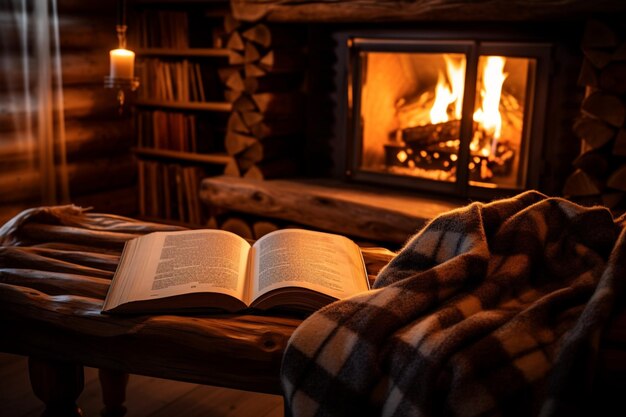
[(452, 116)]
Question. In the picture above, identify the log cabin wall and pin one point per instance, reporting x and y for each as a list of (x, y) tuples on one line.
[(101, 170), (99, 137)]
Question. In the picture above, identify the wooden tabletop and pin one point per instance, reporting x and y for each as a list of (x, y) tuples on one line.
[(56, 264)]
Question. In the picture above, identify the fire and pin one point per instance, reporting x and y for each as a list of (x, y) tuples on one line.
[(488, 115), (449, 91)]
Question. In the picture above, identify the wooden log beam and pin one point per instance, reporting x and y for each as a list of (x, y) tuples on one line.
[(84, 176), (327, 205), (29, 258), (415, 10)]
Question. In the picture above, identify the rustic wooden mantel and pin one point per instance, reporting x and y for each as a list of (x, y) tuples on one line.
[(419, 10), (351, 209)]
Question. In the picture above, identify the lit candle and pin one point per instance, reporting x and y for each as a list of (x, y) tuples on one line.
[(122, 63)]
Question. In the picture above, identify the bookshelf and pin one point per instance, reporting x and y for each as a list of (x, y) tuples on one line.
[(180, 112)]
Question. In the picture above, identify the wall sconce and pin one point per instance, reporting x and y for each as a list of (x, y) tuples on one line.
[(121, 74)]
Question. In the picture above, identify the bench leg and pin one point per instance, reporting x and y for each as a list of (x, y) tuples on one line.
[(113, 385), (58, 384)]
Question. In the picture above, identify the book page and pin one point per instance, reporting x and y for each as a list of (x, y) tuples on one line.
[(323, 262), (190, 261)]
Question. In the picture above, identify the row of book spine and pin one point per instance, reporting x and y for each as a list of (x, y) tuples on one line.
[(163, 29), (167, 130), (170, 191), (171, 80)]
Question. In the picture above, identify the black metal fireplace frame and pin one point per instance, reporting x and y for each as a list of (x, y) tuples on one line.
[(471, 43)]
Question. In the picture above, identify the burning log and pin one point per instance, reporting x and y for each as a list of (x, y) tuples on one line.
[(432, 133)]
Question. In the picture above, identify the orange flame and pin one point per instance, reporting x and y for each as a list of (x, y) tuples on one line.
[(488, 115), (449, 91)]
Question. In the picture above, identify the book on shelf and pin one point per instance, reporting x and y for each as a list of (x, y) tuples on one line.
[(170, 191), (176, 81), (215, 270)]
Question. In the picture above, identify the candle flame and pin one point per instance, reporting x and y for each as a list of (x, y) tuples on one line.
[(122, 52)]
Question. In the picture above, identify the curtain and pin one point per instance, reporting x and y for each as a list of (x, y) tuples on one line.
[(32, 126)]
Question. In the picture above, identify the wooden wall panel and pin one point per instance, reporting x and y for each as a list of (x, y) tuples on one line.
[(102, 171)]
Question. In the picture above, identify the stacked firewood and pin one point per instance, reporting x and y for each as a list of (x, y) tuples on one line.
[(264, 84), (600, 169)]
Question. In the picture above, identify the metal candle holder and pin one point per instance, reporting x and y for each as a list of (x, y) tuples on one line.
[(121, 84)]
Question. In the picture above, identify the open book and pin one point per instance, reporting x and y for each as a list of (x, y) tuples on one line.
[(214, 269)]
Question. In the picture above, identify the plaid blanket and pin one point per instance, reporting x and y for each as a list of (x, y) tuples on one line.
[(491, 309)]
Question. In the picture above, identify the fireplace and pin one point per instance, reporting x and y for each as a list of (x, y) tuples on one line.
[(457, 113)]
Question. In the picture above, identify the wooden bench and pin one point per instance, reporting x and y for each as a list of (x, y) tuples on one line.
[(55, 267)]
